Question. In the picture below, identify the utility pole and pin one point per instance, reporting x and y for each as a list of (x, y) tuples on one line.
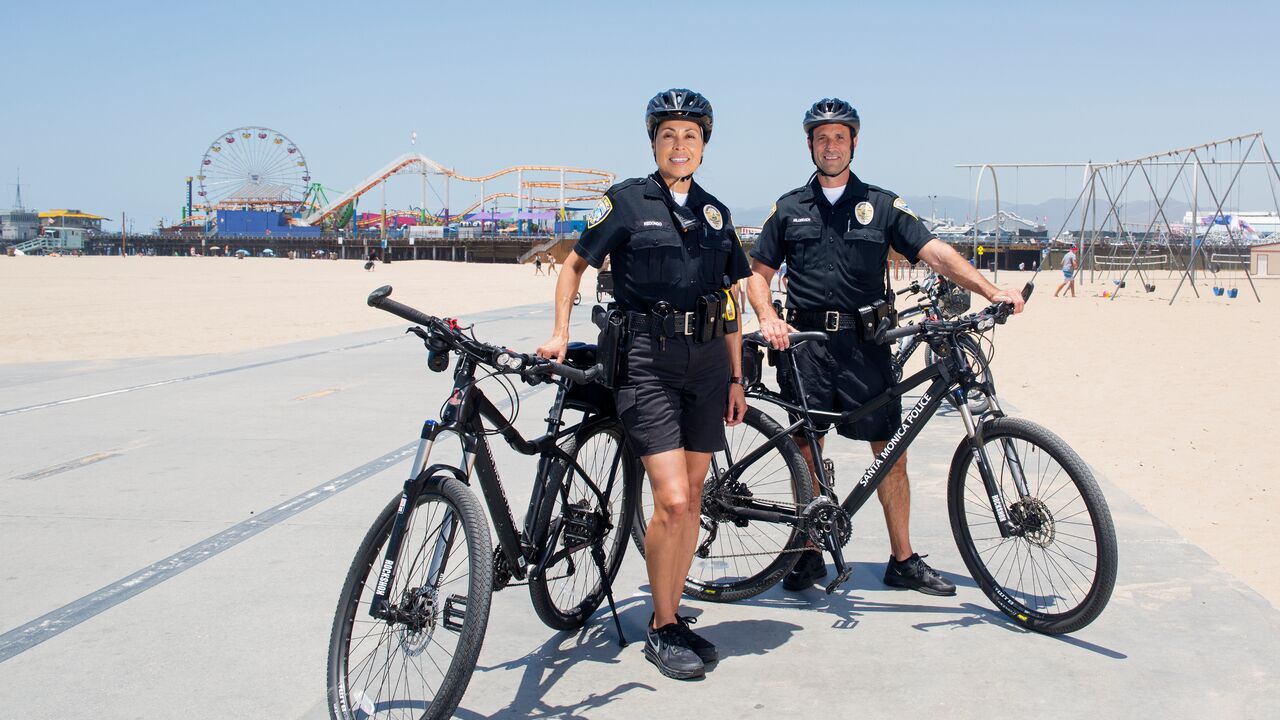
[(122, 235)]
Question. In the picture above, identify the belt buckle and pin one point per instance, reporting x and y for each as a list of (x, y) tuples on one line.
[(832, 321), (688, 323)]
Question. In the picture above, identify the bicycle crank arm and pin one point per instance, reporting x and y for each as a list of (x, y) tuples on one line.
[(843, 571)]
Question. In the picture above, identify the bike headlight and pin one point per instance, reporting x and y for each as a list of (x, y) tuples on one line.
[(513, 362), (502, 359), (986, 323)]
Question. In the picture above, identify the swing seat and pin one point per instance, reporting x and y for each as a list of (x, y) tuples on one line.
[(1217, 292), (1118, 283), (1150, 288), (1233, 292)]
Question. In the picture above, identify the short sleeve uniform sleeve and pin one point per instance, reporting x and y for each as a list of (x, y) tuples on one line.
[(907, 234), (604, 233), (768, 248)]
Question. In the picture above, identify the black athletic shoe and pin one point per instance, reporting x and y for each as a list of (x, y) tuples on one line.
[(666, 648), (705, 651), (810, 569), (915, 574)]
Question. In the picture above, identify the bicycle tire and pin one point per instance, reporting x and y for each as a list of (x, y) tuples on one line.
[(783, 543), (978, 401), (1072, 563), (570, 588), (363, 651)]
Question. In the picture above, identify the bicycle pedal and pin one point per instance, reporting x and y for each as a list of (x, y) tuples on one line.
[(840, 580), (455, 612)]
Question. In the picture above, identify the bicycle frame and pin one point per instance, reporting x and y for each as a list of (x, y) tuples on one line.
[(464, 415), (948, 378)]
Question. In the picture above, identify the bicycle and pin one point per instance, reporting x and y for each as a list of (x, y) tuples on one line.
[(942, 300), (1021, 502), (415, 603)]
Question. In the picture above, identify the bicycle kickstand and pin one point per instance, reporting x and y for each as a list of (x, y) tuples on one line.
[(843, 571), (597, 553)]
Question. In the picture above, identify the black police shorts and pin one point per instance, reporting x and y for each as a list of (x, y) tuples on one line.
[(843, 374), (674, 396)]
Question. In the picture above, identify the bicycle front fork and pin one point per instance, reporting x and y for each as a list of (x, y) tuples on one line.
[(1012, 462)]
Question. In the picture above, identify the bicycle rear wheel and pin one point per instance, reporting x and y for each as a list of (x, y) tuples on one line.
[(418, 665), (570, 588), (738, 558), (1057, 573)]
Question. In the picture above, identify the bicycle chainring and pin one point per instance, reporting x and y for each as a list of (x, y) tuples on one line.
[(822, 517), (501, 570)]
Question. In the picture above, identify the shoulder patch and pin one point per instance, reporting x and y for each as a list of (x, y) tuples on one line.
[(598, 213), (772, 211), (901, 204)]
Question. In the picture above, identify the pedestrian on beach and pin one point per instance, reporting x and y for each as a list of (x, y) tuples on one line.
[(372, 261), (834, 234), (537, 264), (551, 264), (674, 254), (1068, 272)]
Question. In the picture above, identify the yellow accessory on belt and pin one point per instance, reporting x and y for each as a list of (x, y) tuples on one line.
[(730, 310)]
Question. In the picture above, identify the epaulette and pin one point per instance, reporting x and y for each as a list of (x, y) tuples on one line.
[(624, 184)]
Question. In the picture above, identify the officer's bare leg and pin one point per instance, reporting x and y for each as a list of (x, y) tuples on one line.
[(664, 540), (895, 498), (696, 465)]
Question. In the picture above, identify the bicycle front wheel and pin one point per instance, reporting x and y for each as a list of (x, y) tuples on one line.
[(1055, 574), (417, 663), (571, 587)]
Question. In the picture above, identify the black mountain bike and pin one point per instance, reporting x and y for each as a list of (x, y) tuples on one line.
[(415, 604), (1028, 517), (942, 299)]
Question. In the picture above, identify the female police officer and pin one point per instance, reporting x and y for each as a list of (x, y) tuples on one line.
[(674, 252)]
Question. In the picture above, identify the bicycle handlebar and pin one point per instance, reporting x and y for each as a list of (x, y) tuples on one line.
[(530, 367), (996, 313), (793, 338)]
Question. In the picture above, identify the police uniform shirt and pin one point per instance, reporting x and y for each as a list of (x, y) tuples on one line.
[(836, 254), (653, 260)]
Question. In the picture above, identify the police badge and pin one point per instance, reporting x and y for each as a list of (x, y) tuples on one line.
[(864, 211), (714, 219)]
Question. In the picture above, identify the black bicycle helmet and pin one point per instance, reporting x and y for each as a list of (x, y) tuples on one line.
[(678, 104), (831, 110)]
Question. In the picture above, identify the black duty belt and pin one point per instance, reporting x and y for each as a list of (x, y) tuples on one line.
[(829, 320), (673, 325)]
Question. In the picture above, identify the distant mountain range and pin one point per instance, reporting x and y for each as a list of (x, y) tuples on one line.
[(960, 211)]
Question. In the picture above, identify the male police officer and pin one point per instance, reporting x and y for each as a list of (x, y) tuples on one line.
[(834, 234)]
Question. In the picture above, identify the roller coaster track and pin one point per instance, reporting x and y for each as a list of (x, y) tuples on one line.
[(415, 164)]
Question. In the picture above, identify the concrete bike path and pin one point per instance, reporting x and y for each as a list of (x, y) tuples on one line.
[(176, 532)]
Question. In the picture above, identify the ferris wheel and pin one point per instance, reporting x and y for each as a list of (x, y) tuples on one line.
[(252, 167)]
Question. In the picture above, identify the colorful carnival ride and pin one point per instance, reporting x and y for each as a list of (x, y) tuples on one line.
[(573, 185)]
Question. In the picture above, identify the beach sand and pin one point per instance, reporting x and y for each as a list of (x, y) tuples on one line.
[(1172, 404)]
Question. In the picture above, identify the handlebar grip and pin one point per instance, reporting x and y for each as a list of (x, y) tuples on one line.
[(793, 338), (381, 299), (580, 377), (889, 336)]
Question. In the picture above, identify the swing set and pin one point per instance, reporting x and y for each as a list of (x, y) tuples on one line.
[(1209, 175)]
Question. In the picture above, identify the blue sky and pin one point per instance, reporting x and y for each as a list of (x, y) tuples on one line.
[(109, 106)]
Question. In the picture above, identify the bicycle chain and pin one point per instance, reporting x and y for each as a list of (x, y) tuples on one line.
[(795, 506)]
